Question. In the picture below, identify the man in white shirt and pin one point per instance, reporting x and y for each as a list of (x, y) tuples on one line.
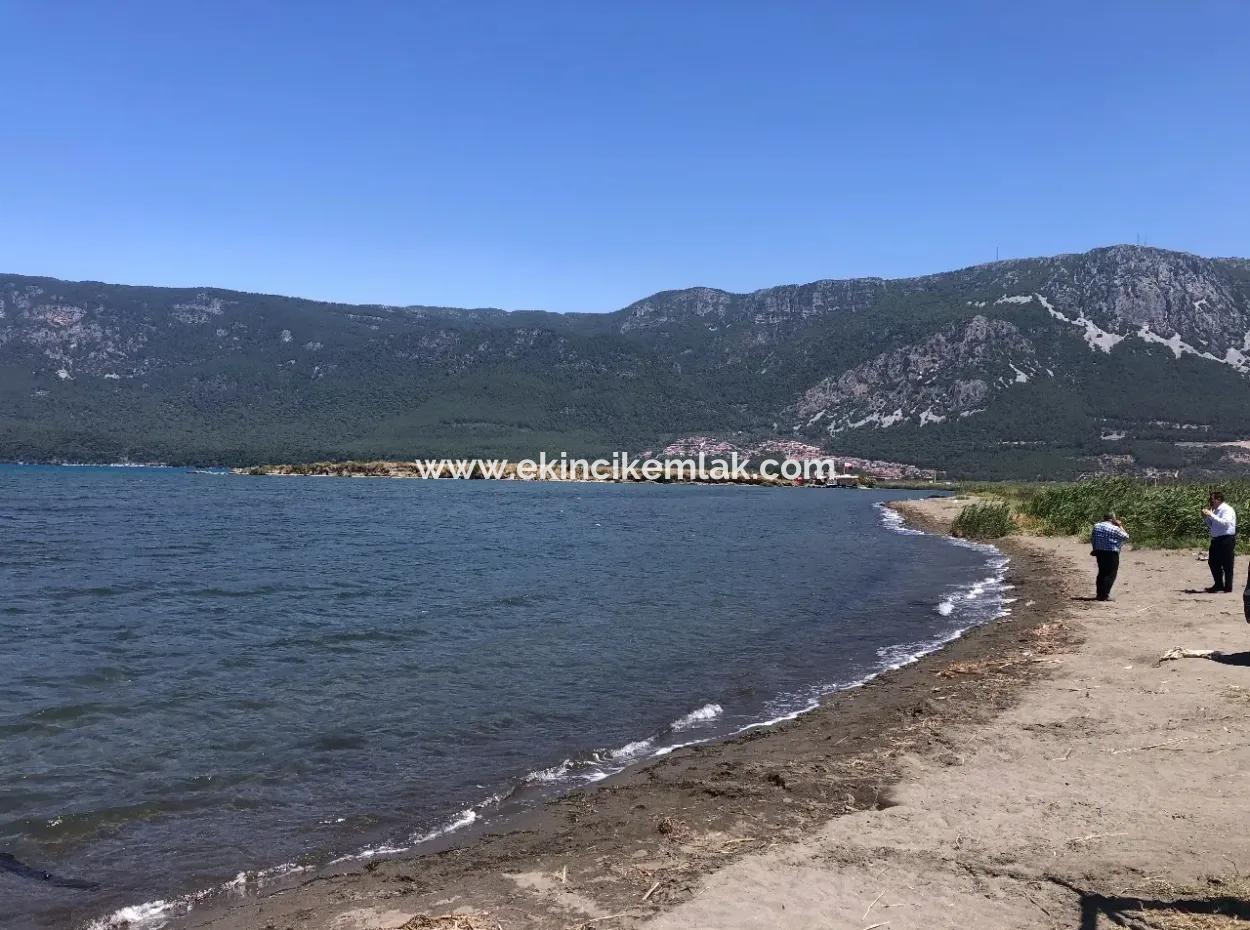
[(1221, 521)]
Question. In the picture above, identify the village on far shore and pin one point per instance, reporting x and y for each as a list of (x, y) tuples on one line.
[(678, 462)]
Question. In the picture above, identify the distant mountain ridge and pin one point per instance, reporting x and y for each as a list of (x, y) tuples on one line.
[(1123, 357)]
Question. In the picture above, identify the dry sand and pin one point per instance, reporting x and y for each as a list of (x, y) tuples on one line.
[(1040, 772)]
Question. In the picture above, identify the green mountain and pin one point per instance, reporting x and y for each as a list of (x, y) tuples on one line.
[(1123, 358)]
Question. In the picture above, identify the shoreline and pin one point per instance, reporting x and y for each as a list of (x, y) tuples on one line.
[(873, 717), (603, 765), (405, 471), (396, 471)]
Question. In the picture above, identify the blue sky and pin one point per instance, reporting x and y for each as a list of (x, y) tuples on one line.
[(578, 156)]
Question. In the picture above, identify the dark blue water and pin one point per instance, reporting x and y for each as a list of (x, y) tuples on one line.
[(205, 674)]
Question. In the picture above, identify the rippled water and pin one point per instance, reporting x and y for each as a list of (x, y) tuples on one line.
[(203, 674)]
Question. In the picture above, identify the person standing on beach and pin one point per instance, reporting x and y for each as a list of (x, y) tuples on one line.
[(1221, 521), (1108, 536)]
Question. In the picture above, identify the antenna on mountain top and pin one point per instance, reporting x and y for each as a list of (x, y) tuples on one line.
[(995, 253)]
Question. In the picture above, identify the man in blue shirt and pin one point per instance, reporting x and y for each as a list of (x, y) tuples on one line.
[(1108, 536)]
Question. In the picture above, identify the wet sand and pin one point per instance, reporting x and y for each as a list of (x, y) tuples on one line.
[(1034, 773)]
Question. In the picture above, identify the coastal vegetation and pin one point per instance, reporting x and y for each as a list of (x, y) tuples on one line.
[(1157, 515), (984, 521)]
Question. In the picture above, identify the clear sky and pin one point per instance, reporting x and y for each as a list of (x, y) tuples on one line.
[(581, 155)]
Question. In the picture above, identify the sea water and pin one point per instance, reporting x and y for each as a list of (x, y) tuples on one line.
[(206, 678)]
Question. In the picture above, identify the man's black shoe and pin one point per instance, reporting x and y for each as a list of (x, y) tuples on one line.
[(1213, 590)]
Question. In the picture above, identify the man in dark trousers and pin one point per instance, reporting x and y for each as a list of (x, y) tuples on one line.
[(1108, 536), (1221, 521)]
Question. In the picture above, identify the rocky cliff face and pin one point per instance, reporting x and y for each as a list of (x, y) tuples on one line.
[(769, 307), (1122, 299), (925, 368), (1154, 295), (953, 373), (68, 336)]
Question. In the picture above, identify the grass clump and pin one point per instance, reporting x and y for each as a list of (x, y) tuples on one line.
[(984, 521), (1167, 516)]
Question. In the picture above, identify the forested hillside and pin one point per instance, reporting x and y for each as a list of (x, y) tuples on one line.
[(1124, 358)]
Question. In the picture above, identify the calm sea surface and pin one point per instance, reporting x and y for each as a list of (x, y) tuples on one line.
[(202, 674)]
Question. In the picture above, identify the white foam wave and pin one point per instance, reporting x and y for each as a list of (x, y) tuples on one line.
[(631, 750), (152, 915), (987, 593), (903, 654), (893, 520), (979, 601), (696, 717), (465, 818), (548, 776), (673, 747), (987, 548), (136, 915), (382, 849), (597, 766), (789, 715), (971, 605)]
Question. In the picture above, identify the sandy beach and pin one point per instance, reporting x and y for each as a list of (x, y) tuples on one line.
[(1044, 771)]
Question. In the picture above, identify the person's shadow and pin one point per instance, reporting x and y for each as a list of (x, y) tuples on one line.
[(1128, 912)]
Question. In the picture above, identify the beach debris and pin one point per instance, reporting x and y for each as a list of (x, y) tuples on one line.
[(1164, 745), (564, 875), (1237, 693), (868, 909), (1179, 652), (979, 667), (1078, 840), (467, 921), (651, 891), (1048, 637), (591, 921)]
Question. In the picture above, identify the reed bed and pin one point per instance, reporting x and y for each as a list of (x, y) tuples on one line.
[(984, 521), (1156, 515)]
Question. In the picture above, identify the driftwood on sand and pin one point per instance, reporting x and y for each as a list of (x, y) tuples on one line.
[(1180, 652)]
